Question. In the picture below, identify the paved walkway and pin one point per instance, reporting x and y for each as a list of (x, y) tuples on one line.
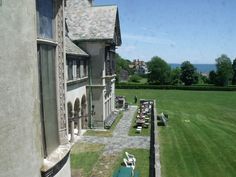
[(120, 139)]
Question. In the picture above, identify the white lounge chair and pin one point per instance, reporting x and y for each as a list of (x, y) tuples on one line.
[(139, 129), (130, 157), (128, 164)]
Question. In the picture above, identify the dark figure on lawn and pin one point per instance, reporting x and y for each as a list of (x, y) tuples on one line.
[(135, 99)]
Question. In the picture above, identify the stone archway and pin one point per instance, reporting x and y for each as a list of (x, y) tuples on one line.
[(77, 115), (83, 112)]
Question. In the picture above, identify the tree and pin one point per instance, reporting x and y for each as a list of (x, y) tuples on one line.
[(234, 72), (159, 71), (175, 76), (224, 71), (122, 63), (189, 75), (212, 77)]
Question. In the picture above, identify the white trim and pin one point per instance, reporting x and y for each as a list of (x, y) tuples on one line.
[(47, 42)]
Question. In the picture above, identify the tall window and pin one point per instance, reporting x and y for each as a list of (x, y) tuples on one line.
[(47, 75), (70, 69), (46, 57), (78, 68), (107, 61), (85, 68), (45, 19), (81, 68)]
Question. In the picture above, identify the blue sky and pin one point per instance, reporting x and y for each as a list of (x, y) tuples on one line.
[(177, 30)]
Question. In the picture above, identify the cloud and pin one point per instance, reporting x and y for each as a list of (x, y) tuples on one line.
[(127, 49), (149, 39)]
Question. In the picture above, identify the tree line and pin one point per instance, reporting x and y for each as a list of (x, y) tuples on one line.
[(160, 72)]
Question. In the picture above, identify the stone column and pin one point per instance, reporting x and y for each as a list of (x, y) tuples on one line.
[(79, 127), (72, 126)]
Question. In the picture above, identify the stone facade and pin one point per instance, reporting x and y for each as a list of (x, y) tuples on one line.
[(102, 83), (96, 30), (20, 127)]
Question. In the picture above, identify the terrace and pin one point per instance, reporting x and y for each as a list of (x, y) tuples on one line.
[(109, 156)]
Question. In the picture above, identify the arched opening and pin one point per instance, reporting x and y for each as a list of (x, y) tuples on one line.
[(83, 112), (70, 115), (69, 110), (77, 114), (76, 108)]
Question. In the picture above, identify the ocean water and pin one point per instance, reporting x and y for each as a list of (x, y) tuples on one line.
[(203, 68)]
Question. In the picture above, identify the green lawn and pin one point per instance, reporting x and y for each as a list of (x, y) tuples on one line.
[(142, 160), (200, 139), (83, 158)]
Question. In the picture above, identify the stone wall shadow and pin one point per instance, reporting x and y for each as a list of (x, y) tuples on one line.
[(152, 144)]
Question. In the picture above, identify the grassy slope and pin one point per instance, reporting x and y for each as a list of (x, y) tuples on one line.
[(84, 157), (200, 139)]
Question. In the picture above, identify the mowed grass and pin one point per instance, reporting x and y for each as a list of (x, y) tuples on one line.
[(83, 158), (200, 139)]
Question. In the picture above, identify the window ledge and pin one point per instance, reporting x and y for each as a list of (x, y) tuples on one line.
[(78, 80), (102, 86), (109, 76), (46, 41), (55, 157)]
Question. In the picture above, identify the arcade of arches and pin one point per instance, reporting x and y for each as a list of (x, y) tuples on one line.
[(77, 116)]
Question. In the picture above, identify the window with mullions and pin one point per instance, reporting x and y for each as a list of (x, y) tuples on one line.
[(70, 69), (47, 75), (107, 60), (85, 68), (78, 68), (45, 18)]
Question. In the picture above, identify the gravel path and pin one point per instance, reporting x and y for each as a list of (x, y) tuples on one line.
[(120, 139)]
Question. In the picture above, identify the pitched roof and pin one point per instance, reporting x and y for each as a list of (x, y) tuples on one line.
[(92, 22), (73, 49)]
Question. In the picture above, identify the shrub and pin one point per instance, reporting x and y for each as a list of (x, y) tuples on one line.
[(135, 78), (173, 87)]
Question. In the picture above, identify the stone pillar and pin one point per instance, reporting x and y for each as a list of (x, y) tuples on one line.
[(72, 126), (79, 127), (112, 95)]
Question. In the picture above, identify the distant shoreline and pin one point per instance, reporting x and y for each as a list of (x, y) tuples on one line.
[(203, 68)]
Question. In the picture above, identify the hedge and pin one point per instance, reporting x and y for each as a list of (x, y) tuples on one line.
[(173, 87)]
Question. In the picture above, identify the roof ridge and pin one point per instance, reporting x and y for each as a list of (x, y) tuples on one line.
[(105, 5)]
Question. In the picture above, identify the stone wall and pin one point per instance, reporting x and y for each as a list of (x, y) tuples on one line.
[(20, 128)]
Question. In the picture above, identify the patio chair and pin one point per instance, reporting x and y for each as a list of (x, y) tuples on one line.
[(130, 157), (139, 129), (127, 164)]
